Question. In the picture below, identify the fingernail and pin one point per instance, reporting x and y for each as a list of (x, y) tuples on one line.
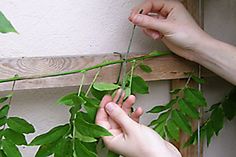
[(137, 18), (110, 107)]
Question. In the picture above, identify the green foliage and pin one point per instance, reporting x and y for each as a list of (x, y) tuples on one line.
[(219, 112), (13, 130), (101, 86), (89, 129), (20, 125), (51, 136), (176, 115), (5, 25), (10, 148), (145, 68), (139, 86), (81, 136)]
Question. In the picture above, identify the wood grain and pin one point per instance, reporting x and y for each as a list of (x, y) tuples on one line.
[(164, 68)]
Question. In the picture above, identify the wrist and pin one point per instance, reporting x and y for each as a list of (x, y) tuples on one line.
[(204, 42)]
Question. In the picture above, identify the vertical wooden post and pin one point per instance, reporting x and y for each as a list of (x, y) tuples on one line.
[(193, 6)]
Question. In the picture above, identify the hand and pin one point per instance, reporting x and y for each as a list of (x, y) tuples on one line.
[(130, 139), (172, 23)]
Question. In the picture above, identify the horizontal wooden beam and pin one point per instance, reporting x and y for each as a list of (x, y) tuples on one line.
[(164, 68)]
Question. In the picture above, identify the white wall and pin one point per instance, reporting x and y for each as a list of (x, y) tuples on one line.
[(50, 27)]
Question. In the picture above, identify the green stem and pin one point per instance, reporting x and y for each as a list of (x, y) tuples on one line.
[(151, 55), (94, 79), (132, 73), (82, 83)]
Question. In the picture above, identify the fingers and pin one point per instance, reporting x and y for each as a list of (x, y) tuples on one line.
[(102, 117), (137, 114), (148, 22), (161, 7), (128, 104), (117, 95), (145, 6), (120, 117), (153, 34)]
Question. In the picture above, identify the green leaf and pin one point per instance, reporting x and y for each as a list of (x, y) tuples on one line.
[(91, 114), (160, 129), (89, 129), (188, 109), (181, 121), (112, 154), (139, 85), (101, 86), (90, 102), (46, 150), (71, 99), (64, 148), (4, 111), (153, 122), (3, 121), (229, 107), (157, 109), (5, 25), (51, 136), (194, 97), (5, 98), (159, 53), (90, 146), (162, 117), (173, 130), (198, 80), (82, 151), (217, 118), (15, 137), (214, 107), (145, 68), (2, 154), (98, 94), (84, 138), (20, 125), (209, 132), (10, 149)]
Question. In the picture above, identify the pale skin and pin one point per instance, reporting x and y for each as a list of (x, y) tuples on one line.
[(176, 28)]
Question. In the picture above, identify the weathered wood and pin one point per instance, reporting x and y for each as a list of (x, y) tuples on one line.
[(196, 10), (191, 150), (164, 68)]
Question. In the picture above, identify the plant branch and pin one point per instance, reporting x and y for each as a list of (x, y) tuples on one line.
[(81, 84), (94, 80), (107, 63)]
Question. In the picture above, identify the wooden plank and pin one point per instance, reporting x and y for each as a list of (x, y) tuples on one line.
[(194, 7), (191, 150), (164, 68)]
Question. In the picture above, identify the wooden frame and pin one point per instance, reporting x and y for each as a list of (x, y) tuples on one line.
[(164, 68)]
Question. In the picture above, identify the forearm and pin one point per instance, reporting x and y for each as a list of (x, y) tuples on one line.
[(218, 57)]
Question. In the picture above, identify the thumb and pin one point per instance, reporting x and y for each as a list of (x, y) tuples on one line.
[(160, 25), (120, 117)]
